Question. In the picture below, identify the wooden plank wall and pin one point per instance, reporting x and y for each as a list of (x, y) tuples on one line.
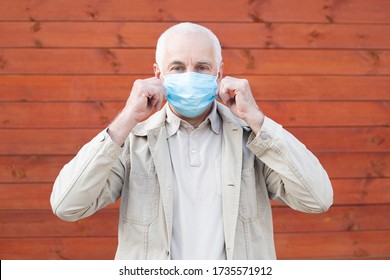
[(319, 67)]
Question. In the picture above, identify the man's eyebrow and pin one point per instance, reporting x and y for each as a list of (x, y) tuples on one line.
[(176, 62), (204, 62)]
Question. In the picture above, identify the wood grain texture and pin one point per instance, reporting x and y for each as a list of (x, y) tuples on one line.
[(337, 245), (105, 223), (99, 114), (344, 245), (321, 68), (39, 168), (352, 192), (81, 248), (236, 61), (360, 11), (338, 218), (264, 88), (30, 141), (34, 196), (231, 35), (32, 224), (356, 165)]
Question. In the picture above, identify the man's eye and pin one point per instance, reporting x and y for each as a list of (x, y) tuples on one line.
[(203, 68), (177, 68)]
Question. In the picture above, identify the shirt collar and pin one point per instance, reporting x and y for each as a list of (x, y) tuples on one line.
[(173, 122)]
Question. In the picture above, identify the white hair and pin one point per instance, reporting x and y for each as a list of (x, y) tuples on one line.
[(187, 28)]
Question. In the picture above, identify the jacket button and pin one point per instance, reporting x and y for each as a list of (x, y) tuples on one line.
[(102, 137), (264, 135)]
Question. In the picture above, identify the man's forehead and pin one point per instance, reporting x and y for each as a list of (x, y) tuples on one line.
[(199, 60)]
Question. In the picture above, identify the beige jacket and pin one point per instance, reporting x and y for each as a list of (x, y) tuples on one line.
[(255, 168)]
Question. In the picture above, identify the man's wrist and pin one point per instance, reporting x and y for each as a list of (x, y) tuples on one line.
[(121, 127), (255, 120)]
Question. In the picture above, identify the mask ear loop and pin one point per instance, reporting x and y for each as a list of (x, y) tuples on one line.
[(216, 80), (162, 75)]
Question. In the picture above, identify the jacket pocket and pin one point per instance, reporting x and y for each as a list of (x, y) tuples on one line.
[(141, 199), (251, 200)]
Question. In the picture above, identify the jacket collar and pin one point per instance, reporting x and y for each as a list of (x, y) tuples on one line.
[(213, 121)]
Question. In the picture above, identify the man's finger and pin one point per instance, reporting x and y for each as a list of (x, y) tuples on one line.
[(160, 100), (224, 91)]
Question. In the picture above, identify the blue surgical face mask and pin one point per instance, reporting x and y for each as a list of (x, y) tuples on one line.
[(190, 93)]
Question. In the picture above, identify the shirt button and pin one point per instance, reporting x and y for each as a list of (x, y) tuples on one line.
[(168, 253), (193, 151), (264, 135), (102, 137)]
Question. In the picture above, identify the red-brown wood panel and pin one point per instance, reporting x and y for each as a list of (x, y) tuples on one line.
[(286, 220), (36, 196), (348, 192), (69, 141), (334, 245), (233, 35), (236, 61), (361, 11), (63, 248), (338, 218), (39, 168), (265, 88), (320, 68), (99, 114), (103, 223)]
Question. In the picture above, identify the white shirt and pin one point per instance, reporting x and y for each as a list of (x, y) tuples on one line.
[(197, 196)]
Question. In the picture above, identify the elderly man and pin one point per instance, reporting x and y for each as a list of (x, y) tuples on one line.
[(196, 177)]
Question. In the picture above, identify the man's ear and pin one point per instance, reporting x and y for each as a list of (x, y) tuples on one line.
[(220, 72), (157, 72)]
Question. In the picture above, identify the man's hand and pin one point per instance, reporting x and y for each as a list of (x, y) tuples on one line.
[(145, 95), (237, 95)]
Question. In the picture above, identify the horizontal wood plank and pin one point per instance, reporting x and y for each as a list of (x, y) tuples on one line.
[(44, 141), (231, 35), (105, 223), (338, 218), (236, 61), (30, 196), (264, 88), (321, 68), (91, 248), (36, 196), (368, 191), (99, 114), (374, 11), (46, 224), (69, 141), (356, 165), (336, 245), (37, 168)]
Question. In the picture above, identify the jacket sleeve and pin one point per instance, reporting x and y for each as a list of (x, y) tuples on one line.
[(90, 181), (293, 175)]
